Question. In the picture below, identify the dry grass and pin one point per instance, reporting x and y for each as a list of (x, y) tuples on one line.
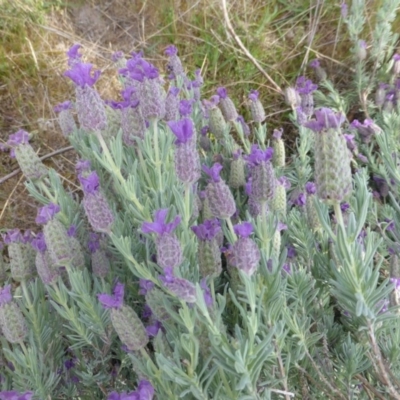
[(281, 36)]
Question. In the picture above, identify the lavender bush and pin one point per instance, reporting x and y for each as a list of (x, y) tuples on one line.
[(202, 260)]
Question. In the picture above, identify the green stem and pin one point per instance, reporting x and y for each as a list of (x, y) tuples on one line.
[(230, 226), (154, 123), (116, 170), (226, 384), (187, 203), (339, 215), (144, 168)]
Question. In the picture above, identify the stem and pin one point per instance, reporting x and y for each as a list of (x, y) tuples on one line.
[(339, 215), (157, 153), (282, 371), (230, 226), (144, 167), (116, 170), (187, 203), (226, 384)]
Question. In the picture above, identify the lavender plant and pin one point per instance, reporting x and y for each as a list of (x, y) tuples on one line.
[(273, 275)]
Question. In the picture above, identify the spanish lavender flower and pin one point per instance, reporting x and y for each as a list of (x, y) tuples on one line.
[(185, 107), (216, 123), (73, 55), (47, 272), (14, 395), (208, 253), (155, 299), (256, 108), (366, 130), (245, 252), (100, 262), (262, 173), (254, 206), (278, 159), (220, 199), (89, 106), (125, 321), (292, 97), (196, 84), (237, 177), (95, 203), (174, 65), (65, 118), (181, 288), (204, 141), (28, 160), (55, 235), (21, 254), (78, 257), (305, 88), (187, 160), (351, 144), (169, 251), (172, 104), (152, 101), (332, 158), (145, 390), (12, 321), (226, 105), (244, 126)]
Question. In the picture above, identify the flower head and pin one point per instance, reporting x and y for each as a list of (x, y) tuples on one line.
[(80, 74), (185, 107), (82, 166), (38, 243), (207, 230), (91, 183), (305, 86), (315, 63), (243, 230), (253, 95), (222, 93), (73, 54), (47, 213), (311, 188), (277, 134), (171, 50), (20, 137), (325, 118), (183, 130), (115, 300), (257, 156), (213, 172), (159, 226)]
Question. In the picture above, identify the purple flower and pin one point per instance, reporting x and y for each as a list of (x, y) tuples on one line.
[(362, 158), (171, 50), (253, 96), (47, 213), (181, 288), (80, 74), (185, 107), (138, 69), (70, 363), (82, 166), (67, 105), (258, 156), (315, 63), (245, 127), (213, 102), (146, 390), (72, 231), (351, 144), (14, 395), (12, 236), (311, 188), (222, 92), (325, 119), (183, 130), (5, 295), (159, 226), (213, 172), (284, 182), (291, 251), (117, 55), (301, 200), (145, 286), (115, 300), (94, 242), (344, 207), (305, 86), (207, 293), (152, 330), (207, 230), (73, 54), (91, 183), (38, 243), (20, 137), (243, 230)]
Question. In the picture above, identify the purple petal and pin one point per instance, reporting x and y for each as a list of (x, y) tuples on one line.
[(213, 172), (5, 295), (222, 92)]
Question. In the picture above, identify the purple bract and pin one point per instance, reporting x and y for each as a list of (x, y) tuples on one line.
[(207, 230), (47, 213), (183, 130), (115, 300), (213, 172), (159, 226), (80, 74), (243, 230)]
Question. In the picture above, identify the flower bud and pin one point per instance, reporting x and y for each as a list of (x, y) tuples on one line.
[(237, 176), (91, 109), (216, 123), (292, 97), (221, 201), (361, 50), (278, 203), (226, 105), (65, 118), (312, 215), (129, 327), (278, 159), (181, 288), (172, 104), (256, 108)]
